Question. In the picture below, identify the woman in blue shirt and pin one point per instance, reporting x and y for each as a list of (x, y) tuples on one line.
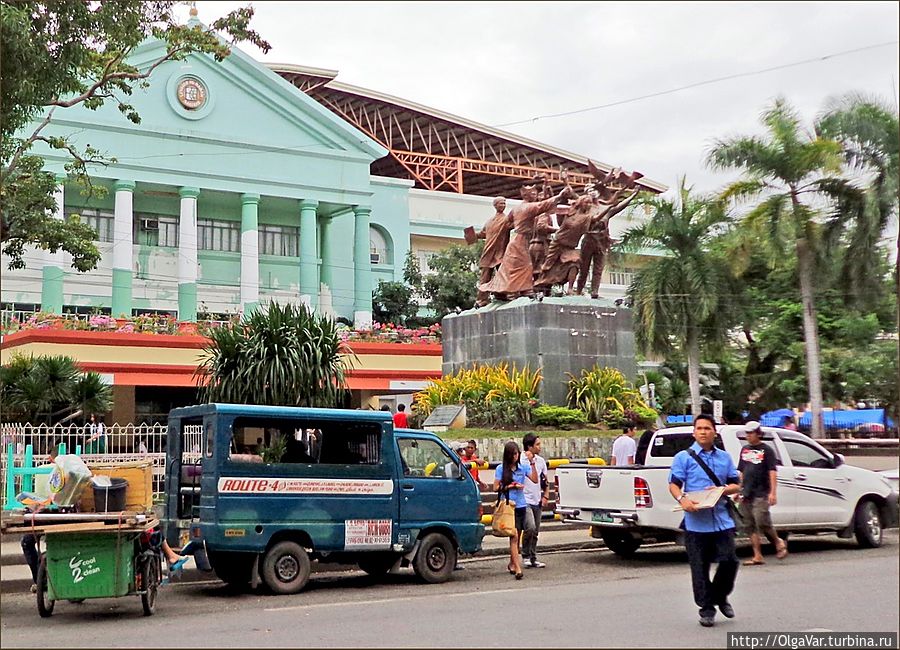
[(510, 478)]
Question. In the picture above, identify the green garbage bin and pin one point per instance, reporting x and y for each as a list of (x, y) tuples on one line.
[(96, 565)]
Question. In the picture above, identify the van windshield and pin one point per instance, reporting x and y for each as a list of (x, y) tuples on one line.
[(309, 441)]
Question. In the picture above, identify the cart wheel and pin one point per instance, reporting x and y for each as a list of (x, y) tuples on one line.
[(150, 583), (44, 604)]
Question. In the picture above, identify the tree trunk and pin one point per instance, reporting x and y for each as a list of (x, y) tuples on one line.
[(693, 359), (810, 336)]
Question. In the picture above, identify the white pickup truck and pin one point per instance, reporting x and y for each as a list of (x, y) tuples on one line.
[(817, 492)]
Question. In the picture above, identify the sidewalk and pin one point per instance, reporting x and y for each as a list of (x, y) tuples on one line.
[(15, 577)]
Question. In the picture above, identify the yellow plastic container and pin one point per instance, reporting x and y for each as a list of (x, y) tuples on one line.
[(138, 495)]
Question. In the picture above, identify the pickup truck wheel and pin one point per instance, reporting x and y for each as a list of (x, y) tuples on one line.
[(435, 559), (286, 568), (621, 543), (234, 569), (867, 525)]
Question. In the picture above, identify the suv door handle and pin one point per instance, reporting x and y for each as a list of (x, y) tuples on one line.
[(408, 486), (800, 477)]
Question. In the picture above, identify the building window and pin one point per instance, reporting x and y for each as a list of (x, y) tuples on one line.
[(101, 221), (214, 235), (279, 240), (424, 257), (156, 230), (621, 277), (379, 250)]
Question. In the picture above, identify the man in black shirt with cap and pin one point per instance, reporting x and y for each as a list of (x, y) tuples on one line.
[(759, 481)]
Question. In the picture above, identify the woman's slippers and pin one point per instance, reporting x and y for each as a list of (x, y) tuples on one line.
[(178, 564), (519, 576), (753, 562), (782, 552)]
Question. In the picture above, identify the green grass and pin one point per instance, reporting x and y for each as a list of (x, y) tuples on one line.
[(544, 432)]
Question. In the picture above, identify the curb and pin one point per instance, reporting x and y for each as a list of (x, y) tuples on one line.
[(195, 575)]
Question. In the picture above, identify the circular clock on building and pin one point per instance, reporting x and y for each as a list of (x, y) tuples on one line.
[(191, 93)]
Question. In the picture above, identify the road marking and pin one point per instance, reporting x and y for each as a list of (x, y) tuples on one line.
[(400, 599)]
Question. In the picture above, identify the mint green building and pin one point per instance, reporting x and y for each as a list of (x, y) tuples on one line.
[(235, 189)]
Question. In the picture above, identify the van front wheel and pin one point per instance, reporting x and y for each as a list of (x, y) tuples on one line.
[(435, 559), (286, 568)]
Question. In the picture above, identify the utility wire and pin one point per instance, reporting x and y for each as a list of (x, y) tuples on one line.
[(701, 83)]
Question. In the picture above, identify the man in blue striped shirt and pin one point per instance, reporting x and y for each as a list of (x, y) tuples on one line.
[(709, 532)]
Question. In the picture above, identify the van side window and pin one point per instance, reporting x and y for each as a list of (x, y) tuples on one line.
[(293, 441), (426, 459)]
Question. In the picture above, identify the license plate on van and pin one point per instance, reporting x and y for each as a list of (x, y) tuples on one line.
[(601, 516)]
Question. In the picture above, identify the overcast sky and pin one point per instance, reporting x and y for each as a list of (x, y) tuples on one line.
[(502, 62)]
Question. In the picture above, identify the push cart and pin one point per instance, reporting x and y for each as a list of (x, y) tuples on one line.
[(110, 558)]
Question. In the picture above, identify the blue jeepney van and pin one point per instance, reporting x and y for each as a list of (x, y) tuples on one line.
[(266, 490)]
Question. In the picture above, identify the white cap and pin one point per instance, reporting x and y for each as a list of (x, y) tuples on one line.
[(752, 425)]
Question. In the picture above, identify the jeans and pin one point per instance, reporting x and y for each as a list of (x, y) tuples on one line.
[(530, 536), (703, 549), (32, 557)]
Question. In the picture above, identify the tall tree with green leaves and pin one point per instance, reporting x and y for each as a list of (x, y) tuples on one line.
[(56, 54), (869, 130), (282, 355), (791, 171), (675, 296), (452, 285)]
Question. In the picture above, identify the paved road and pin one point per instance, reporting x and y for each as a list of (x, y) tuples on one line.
[(584, 598)]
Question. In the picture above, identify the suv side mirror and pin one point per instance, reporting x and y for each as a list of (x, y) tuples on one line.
[(838, 460)]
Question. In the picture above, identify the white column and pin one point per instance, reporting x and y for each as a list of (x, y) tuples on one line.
[(249, 252), (187, 254), (52, 271), (123, 248)]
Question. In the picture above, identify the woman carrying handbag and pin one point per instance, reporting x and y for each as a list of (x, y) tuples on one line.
[(509, 479)]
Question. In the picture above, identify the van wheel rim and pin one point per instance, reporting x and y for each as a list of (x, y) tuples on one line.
[(287, 568), (436, 558), (873, 523)]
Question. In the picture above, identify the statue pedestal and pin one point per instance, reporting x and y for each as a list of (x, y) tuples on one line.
[(557, 335)]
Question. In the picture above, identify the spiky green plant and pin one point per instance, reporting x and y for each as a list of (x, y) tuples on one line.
[(281, 355)]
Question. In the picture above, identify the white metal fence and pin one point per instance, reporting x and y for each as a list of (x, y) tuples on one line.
[(120, 443)]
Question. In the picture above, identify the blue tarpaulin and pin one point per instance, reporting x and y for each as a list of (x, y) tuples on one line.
[(679, 419), (848, 419), (775, 418)]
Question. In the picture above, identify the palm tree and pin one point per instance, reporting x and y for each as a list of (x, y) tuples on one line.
[(868, 130), (788, 165), (675, 295), (282, 355)]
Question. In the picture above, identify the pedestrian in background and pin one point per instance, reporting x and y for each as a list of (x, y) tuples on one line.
[(509, 478), (709, 532), (471, 456), (537, 495), (624, 447), (400, 421), (96, 442), (759, 482)]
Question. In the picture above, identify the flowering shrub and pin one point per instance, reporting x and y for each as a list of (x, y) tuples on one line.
[(166, 324), (390, 333)]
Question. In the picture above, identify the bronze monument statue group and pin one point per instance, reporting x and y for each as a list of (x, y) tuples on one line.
[(540, 254)]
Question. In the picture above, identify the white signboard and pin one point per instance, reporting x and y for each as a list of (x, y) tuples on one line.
[(369, 534), (717, 410)]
